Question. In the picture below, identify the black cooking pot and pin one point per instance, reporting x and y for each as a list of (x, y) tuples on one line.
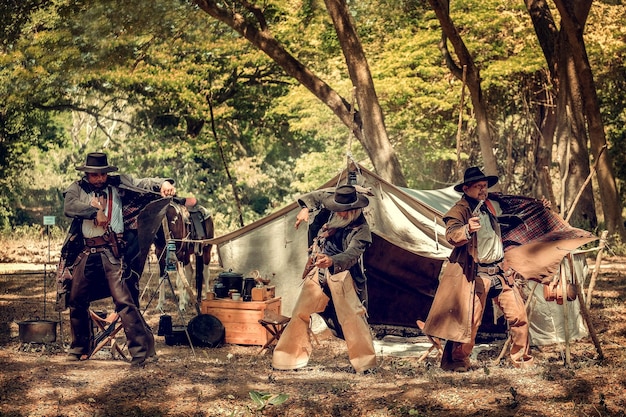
[(220, 290), (231, 280), (38, 331)]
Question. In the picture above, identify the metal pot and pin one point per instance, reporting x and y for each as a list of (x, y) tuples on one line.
[(221, 291), (38, 331), (231, 280)]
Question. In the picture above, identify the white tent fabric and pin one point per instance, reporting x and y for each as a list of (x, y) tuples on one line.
[(547, 318), (273, 247)]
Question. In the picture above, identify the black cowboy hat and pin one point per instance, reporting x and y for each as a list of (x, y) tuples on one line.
[(474, 174), (345, 198), (96, 164)]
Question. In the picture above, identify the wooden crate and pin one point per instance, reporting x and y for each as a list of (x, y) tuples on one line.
[(241, 318), (263, 293)]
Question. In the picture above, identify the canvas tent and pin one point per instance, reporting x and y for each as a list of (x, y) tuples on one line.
[(402, 265)]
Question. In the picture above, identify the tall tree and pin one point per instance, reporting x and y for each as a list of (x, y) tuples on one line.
[(251, 23), (563, 122), (577, 115), (472, 77), (377, 143), (573, 17)]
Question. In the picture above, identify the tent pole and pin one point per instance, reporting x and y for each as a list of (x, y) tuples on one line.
[(548, 181), (563, 285), (582, 188), (596, 270), (585, 313)]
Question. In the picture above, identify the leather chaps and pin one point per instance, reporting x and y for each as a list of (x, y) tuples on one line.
[(294, 347)]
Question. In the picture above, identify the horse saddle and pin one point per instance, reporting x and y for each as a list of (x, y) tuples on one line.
[(197, 216)]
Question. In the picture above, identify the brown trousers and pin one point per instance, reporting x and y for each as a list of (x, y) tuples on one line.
[(457, 354), (294, 347), (99, 275)]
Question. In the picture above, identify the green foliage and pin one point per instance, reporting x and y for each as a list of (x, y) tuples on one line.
[(263, 399), (136, 79)]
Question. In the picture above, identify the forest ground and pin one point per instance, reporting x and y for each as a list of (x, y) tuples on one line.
[(37, 379)]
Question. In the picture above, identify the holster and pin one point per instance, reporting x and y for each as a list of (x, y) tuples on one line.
[(112, 240), (310, 264)]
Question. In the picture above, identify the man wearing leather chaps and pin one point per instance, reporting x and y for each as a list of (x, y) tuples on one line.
[(334, 284)]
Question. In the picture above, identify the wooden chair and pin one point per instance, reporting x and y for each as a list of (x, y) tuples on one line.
[(435, 343), (275, 324), (106, 328)]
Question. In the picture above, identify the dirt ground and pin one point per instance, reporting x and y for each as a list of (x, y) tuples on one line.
[(233, 380)]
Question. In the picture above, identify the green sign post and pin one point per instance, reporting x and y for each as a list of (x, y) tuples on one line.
[(47, 221)]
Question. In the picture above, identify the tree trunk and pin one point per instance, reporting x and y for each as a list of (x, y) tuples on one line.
[(570, 133), (546, 122), (376, 141), (572, 142), (546, 116), (387, 165), (573, 17), (473, 82)]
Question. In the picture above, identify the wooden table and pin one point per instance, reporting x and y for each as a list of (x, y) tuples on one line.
[(241, 318)]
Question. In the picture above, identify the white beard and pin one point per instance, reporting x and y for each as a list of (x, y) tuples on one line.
[(336, 222)]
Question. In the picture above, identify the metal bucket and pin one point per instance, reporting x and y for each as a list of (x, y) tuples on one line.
[(38, 331)]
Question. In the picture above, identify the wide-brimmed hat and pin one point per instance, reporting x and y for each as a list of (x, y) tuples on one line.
[(473, 174), (96, 163), (345, 198)]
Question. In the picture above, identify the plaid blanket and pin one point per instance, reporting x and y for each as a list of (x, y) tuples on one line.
[(536, 223), (539, 239)]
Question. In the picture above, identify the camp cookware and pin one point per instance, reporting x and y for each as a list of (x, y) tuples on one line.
[(206, 330), (38, 331), (231, 280), (220, 290), (248, 285)]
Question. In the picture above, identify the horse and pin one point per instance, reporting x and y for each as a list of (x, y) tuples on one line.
[(188, 227)]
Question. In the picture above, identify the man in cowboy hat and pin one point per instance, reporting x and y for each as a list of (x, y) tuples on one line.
[(334, 280), (100, 244), (474, 274)]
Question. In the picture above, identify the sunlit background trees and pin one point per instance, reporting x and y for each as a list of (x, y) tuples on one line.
[(170, 88)]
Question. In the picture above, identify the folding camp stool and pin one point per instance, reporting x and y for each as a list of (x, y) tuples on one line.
[(275, 324), (435, 343), (106, 329)]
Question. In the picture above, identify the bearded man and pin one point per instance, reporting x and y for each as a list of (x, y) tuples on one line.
[(335, 284), (100, 255)]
